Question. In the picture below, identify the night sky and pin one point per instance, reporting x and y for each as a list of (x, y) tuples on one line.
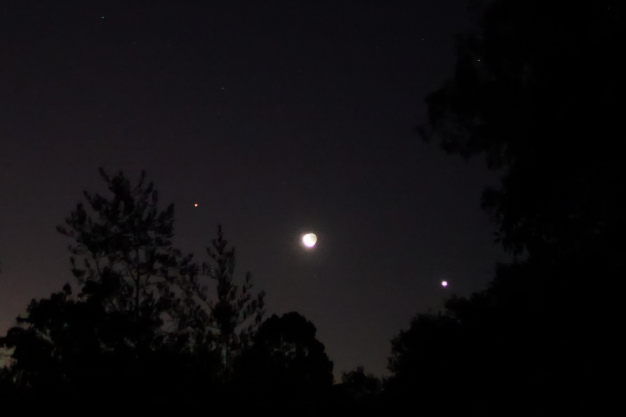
[(276, 118)]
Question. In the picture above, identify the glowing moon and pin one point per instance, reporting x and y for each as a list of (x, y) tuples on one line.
[(444, 283), (309, 240)]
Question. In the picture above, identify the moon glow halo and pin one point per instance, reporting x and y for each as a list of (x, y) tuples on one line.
[(309, 240)]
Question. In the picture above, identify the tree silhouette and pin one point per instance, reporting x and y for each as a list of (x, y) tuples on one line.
[(63, 345), (286, 368), (362, 386), (433, 368), (359, 393), (123, 256), (142, 322), (225, 319), (534, 90)]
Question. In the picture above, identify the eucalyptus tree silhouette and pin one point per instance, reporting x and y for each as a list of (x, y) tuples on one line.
[(141, 321), (286, 368), (534, 91)]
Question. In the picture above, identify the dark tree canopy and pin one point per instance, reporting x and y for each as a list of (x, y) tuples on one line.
[(225, 322), (536, 90), (142, 322), (286, 368), (123, 254), (361, 386), (286, 348), (431, 364)]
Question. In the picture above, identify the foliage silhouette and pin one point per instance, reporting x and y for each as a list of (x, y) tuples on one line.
[(362, 386), (286, 367), (433, 368), (141, 323), (123, 257), (534, 90), (235, 315), (359, 393)]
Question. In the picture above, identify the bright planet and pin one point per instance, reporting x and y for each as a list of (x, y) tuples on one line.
[(309, 240)]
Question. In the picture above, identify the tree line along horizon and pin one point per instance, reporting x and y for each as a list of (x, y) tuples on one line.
[(534, 90), (141, 302)]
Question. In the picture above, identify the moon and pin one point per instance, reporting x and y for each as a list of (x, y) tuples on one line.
[(444, 283), (309, 240)]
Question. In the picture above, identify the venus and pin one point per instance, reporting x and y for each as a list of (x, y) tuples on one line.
[(309, 240)]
